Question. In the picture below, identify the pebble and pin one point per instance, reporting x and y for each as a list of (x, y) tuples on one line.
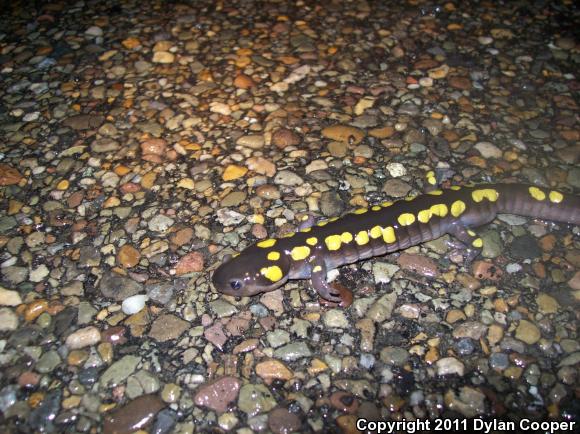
[(254, 399), (168, 327), (282, 421), (133, 416), (293, 351), (9, 297), (84, 337), (134, 304), (528, 332), (450, 365), (218, 394)]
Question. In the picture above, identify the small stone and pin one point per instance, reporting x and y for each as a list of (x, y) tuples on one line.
[(136, 415), (84, 337), (528, 332), (192, 262), (343, 133), (168, 327), (160, 223), (470, 402), (282, 421), (242, 81), (163, 57), (119, 371), (253, 141), (128, 256), (218, 394), (285, 137), (233, 172), (8, 319), (9, 297), (273, 369), (117, 287), (450, 365), (293, 351), (134, 304), (255, 398), (335, 318)]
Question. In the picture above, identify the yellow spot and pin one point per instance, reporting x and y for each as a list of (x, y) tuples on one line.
[(333, 242), (288, 235), (376, 232), (306, 230), (536, 193), (273, 273), (362, 238), (386, 204), (478, 242), (470, 232), (436, 192), (455, 187), (556, 196), (376, 208), (485, 193), (273, 256), (300, 252), (266, 243), (332, 219), (304, 217), (439, 210), (346, 237), (317, 269), (406, 219), (410, 198), (312, 241), (360, 211), (389, 235), (322, 223), (457, 208), (424, 216), (431, 178)]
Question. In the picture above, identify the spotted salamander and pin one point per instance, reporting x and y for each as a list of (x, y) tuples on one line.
[(317, 248)]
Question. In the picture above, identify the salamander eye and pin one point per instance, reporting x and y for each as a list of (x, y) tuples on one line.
[(236, 285)]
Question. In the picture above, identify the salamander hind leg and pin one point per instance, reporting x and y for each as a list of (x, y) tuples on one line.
[(468, 240), (330, 294)]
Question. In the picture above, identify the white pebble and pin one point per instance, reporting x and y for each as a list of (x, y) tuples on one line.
[(134, 304), (84, 337)]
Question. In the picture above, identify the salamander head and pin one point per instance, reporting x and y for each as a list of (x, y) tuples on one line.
[(250, 273)]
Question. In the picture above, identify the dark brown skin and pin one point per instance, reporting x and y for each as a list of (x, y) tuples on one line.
[(382, 229)]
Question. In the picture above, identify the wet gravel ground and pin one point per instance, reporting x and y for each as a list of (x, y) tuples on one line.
[(141, 141)]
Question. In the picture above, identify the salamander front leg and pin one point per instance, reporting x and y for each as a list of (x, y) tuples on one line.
[(339, 295), (468, 240)]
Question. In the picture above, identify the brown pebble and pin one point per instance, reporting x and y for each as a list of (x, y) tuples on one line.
[(192, 262), (28, 379), (273, 369), (344, 402), (218, 394), (75, 199), (282, 421), (486, 270), (114, 335), (134, 416), (419, 264), (285, 137), (181, 237), (9, 175), (128, 256), (154, 147), (34, 309), (242, 81)]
